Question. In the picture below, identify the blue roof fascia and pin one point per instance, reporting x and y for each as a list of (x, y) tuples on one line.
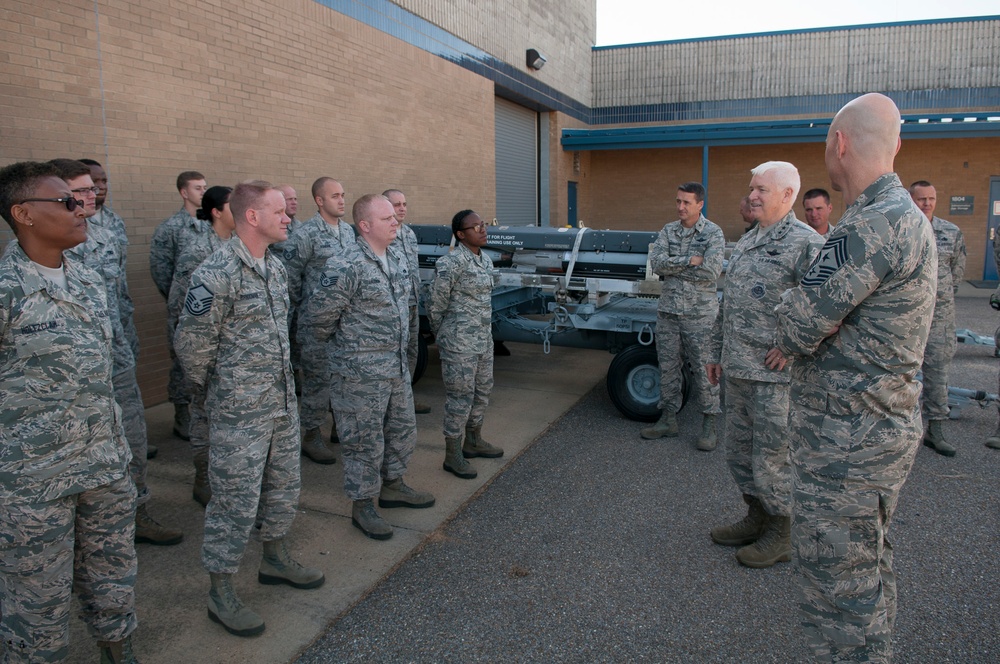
[(761, 133), (747, 35)]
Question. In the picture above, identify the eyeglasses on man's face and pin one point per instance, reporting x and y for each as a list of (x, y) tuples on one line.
[(70, 202), (83, 191), (481, 226)]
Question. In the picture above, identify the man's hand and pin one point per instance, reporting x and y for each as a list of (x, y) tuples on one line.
[(714, 373), (696, 260), (775, 360)]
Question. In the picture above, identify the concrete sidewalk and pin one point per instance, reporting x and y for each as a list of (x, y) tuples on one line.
[(532, 391)]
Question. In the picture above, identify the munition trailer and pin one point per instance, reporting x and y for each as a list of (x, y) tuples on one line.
[(575, 287)]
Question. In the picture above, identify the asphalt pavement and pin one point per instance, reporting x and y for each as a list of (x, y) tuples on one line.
[(593, 546)]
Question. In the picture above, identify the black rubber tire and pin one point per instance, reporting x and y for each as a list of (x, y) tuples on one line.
[(634, 383), (418, 370)]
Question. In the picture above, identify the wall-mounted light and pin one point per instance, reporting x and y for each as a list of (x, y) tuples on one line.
[(535, 59)]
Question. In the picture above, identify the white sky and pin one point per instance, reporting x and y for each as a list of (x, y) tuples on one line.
[(635, 21)]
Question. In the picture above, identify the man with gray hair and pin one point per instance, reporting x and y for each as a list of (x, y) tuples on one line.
[(857, 326), (361, 308), (766, 261)]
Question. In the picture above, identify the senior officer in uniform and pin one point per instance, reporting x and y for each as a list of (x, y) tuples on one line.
[(941, 342), (688, 255), (67, 502), (324, 235), (857, 326), (460, 310), (766, 261), (233, 342), (406, 244), (361, 307)]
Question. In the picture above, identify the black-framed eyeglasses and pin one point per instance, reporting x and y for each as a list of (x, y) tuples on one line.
[(70, 202), (478, 227), (86, 190)]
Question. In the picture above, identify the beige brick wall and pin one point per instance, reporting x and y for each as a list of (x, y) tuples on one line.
[(563, 30), (285, 90)]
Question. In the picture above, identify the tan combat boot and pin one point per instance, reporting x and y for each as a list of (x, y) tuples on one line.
[(367, 520), (475, 446), (743, 532), (420, 408), (148, 531), (278, 566), (993, 442), (773, 546), (934, 439), (315, 448), (182, 421), (708, 440), (665, 427), (454, 460), (226, 608), (202, 491), (395, 493), (117, 652)]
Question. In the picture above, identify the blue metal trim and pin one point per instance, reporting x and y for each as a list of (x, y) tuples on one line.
[(869, 26), (704, 175), (511, 82), (773, 132)]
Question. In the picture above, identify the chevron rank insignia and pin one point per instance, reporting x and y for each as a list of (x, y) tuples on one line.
[(831, 257), (199, 300)]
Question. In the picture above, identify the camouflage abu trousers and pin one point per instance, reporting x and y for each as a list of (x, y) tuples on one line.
[(129, 399), (684, 337), (314, 403), (83, 542), (757, 442), (849, 464), (177, 385), (941, 345), (413, 346), (253, 469), (378, 431), (468, 382), (199, 420)]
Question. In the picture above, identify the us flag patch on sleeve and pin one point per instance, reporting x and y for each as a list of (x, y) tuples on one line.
[(199, 300), (831, 257)]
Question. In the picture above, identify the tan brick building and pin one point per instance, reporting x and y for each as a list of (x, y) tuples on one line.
[(436, 97)]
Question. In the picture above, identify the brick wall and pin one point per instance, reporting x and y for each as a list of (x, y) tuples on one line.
[(286, 90)]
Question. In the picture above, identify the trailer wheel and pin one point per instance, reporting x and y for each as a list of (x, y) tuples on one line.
[(418, 370), (634, 383)]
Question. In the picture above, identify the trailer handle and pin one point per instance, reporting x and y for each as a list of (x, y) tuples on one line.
[(649, 338)]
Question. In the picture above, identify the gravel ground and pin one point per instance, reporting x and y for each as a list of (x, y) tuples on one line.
[(593, 547)]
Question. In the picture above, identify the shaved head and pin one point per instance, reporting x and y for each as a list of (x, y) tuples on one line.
[(872, 122)]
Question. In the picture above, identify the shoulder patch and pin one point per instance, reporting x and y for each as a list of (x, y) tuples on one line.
[(289, 253), (831, 257), (199, 300), (328, 280)]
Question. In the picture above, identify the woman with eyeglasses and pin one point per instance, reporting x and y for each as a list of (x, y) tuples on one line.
[(195, 249), (67, 502), (460, 310)]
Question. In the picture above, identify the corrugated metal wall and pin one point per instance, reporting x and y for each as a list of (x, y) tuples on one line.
[(925, 56)]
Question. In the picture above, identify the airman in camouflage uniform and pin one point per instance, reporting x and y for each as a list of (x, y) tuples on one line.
[(102, 253), (286, 252), (766, 261), (233, 343), (164, 248), (460, 309), (816, 203), (361, 307), (993, 441), (941, 342), (857, 326), (325, 235), (196, 247), (67, 503), (406, 245), (688, 254)]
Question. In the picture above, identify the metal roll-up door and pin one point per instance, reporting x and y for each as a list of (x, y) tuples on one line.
[(516, 164)]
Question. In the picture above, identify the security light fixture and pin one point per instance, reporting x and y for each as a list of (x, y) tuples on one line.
[(535, 59)]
